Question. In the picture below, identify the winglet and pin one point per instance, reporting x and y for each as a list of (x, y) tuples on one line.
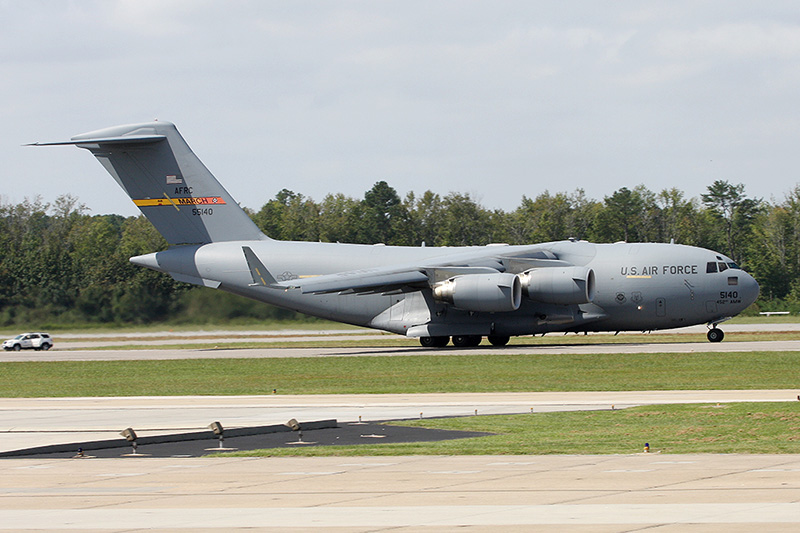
[(260, 274)]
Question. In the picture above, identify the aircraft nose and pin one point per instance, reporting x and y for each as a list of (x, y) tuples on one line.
[(748, 289)]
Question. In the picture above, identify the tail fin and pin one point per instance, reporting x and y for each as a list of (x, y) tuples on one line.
[(169, 184)]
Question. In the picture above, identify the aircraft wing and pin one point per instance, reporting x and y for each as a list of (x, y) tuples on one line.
[(399, 277), (370, 280), (379, 280), (364, 281)]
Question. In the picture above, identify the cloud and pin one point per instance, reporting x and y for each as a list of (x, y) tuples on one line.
[(501, 99)]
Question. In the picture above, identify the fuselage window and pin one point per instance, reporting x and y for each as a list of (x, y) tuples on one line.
[(711, 267)]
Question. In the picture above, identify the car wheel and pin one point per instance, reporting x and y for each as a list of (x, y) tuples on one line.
[(17, 347), (45, 346)]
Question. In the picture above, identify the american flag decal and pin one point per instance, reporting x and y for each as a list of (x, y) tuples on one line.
[(174, 180)]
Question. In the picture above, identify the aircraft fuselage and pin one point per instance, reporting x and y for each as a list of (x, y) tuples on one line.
[(641, 287)]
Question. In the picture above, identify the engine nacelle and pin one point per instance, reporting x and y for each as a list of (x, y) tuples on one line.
[(559, 285), (489, 293)]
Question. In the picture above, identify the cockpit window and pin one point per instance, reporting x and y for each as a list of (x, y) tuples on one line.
[(723, 267), (711, 267), (733, 265)]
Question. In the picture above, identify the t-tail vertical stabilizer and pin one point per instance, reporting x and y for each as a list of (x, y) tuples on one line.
[(169, 184)]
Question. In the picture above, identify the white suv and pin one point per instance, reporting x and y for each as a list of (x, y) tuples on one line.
[(36, 341)]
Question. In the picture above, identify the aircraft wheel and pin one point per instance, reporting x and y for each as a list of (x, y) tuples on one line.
[(459, 341), (475, 340), (441, 342), (466, 341), (434, 342), (715, 335), (498, 340)]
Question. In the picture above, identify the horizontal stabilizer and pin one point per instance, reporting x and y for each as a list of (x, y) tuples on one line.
[(130, 139)]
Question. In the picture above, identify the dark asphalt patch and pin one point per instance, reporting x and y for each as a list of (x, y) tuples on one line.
[(345, 434)]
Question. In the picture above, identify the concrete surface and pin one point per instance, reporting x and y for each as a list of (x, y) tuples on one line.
[(484, 493), (695, 341), (372, 351)]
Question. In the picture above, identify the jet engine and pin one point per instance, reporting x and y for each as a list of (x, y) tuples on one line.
[(559, 285), (481, 292)]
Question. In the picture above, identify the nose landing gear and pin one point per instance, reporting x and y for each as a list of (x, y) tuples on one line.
[(715, 334)]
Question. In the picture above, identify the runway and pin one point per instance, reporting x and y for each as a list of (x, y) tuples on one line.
[(217, 345), (549, 493), (376, 351)]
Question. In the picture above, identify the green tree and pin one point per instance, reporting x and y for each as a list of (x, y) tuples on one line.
[(426, 217), (465, 222), (270, 217), (676, 217), (621, 215), (338, 216), (735, 211), (544, 219), (382, 213), (773, 251)]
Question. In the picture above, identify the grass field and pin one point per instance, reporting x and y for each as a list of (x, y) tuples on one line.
[(481, 372), (728, 428)]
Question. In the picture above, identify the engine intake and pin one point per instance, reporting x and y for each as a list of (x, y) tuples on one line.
[(489, 293), (559, 285)]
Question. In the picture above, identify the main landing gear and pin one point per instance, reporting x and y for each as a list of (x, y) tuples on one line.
[(434, 342), (463, 341), (715, 334)]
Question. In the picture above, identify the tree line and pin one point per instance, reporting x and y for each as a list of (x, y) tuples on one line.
[(61, 265)]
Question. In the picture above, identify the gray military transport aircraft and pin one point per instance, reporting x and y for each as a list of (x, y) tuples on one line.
[(434, 294)]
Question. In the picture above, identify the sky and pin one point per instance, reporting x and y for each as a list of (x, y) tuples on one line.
[(495, 99)]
